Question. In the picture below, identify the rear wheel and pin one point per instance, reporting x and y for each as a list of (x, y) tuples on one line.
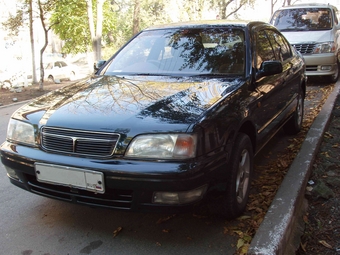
[(239, 179), (72, 76)]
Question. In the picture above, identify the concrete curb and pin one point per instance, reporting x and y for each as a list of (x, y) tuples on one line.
[(16, 103), (275, 232)]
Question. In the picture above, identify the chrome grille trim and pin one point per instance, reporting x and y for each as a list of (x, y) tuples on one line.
[(78, 142), (305, 48)]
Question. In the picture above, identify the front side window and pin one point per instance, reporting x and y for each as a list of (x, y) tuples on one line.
[(300, 19), (280, 46), (264, 50), (182, 52), (335, 14), (62, 64)]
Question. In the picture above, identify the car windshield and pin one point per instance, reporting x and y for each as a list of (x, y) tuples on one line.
[(179, 52), (303, 19)]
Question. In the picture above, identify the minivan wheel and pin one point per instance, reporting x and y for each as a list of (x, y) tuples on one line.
[(334, 78), (294, 124), (240, 170)]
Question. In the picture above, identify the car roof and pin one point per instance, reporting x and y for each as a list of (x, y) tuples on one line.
[(208, 23), (309, 5)]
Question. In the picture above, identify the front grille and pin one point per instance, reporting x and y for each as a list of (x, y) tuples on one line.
[(113, 198), (304, 48), (78, 142)]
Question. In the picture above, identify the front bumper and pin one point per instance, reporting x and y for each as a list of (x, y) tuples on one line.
[(320, 64), (129, 184)]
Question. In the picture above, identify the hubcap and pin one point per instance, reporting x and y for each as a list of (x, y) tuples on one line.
[(243, 174)]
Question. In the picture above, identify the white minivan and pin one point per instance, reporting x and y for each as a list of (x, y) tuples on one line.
[(314, 30)]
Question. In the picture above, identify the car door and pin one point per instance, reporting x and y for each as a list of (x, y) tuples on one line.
[(273, 94), (291, 80), (64, 70)]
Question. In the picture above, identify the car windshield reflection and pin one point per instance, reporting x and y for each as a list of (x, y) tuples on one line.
[(301, 19), (182, 52)]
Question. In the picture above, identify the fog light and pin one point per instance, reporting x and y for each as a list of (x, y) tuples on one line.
[(11, 173), (326, 68), (181, 197)]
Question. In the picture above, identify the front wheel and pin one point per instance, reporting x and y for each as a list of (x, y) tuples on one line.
[(240, 169), (334, 78), (50, 78), (6, 84), (294, 124)]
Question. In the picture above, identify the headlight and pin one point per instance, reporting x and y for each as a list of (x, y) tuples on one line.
[(163, 146), (326, 47), (20, 132)]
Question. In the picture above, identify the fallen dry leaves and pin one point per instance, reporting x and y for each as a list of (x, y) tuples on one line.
[(117, 231), (272, 174)]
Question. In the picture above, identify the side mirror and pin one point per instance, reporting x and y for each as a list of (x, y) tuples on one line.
[(98, 65), (269, 68)]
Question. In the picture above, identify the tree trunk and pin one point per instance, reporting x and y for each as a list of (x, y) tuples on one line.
[(42, 19), (223, 8), (34, 71), (91, 26), (96, 36), (136, 12), (99, 29)]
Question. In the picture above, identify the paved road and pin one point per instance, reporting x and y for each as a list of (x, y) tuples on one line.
[(34, 225)]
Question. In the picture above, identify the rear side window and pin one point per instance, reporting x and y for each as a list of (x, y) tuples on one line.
[(301, 19)]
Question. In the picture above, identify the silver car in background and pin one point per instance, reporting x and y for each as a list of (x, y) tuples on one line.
[(314, 30)]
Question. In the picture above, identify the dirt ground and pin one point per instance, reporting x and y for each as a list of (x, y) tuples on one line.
[(322, 222), (10, 96)]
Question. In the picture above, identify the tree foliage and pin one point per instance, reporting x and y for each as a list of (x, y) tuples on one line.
[(193, 9), (72, 26), (227, 8), (14, 22)]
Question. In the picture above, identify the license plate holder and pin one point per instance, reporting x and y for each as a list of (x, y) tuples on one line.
[(70, 176)]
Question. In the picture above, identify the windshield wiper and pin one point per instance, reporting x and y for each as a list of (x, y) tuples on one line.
[(217, 74), (150, 74), (295, 29)]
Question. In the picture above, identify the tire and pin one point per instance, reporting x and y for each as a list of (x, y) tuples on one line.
[(238, 184), (50, 78), (334, 78), (7, 84), (72, 76), (294, 124)]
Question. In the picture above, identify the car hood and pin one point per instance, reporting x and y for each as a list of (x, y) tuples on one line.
[(128, 104), (308, 36)]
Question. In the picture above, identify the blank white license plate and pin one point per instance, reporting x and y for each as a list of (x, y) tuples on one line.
[(70, 176)]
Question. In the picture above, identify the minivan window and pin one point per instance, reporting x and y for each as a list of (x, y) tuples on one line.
[(335, 17), (310, 19)]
